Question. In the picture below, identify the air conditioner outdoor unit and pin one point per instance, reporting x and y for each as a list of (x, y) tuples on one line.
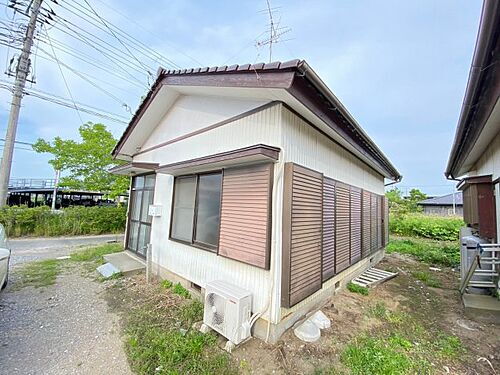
[(227, 310)]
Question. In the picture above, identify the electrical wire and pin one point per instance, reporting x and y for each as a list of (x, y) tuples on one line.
[(63, 77), (114, 30), (129, 19), (118, 39), (98, 112)]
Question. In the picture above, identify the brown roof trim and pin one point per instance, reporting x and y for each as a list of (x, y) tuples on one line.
[(483, 88), (296, 77), (486, 179), (268, 152)]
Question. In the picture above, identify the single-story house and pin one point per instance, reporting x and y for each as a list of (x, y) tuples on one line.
[(257, 176), (445, 205), (475, 155)]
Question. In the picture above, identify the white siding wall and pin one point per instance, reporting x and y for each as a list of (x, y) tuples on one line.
[(274, 126), (304, 145), (191, 113), (200, 266)]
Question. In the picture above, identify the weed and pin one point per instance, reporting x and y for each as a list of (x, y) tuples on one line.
[(431, 252), (191, 312), (355, 288), (448, 346), (397, 317), (95, 254), (114, 276), (181, 291), (41, 221), (433, 227), (375, 356), (426, 278), (40, 273), (167, 284), (379, 310)]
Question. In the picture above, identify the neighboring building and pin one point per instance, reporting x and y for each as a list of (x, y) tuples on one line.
[(475, 154), (259, 177), (475, 162), (446, 205)]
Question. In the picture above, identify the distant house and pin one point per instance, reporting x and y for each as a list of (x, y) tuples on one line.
[(257, 176), (446, 205)]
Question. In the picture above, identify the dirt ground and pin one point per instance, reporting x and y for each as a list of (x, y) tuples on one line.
[(438, 311)]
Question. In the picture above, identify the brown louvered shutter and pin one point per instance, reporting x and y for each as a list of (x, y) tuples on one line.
[(386, 221), (245, 214), (342, 225), (373, 216), (302, 233), (328, 261), (355, 224), (366, 221)]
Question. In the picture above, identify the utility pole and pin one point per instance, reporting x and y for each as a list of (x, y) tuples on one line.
[(54, 192), (22, 70)]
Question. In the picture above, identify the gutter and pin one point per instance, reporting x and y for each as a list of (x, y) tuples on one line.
[(480, 62), (304, 69)]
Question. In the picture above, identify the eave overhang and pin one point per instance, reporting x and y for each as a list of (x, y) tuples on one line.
[(477, 123), (295, 78)]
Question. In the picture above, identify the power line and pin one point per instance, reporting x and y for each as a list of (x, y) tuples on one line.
[(21, 143), (74, 71), (63, 77), (113, 30), (118, 39), (66, 103), (152, 34)]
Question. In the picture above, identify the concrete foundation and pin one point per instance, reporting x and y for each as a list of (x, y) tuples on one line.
[(298, 313), (127, 263), (481, 307)]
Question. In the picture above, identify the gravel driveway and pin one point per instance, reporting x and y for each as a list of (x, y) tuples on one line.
[(60, 329), (32, 248)]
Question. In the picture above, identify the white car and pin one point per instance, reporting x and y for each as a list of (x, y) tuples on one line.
[(4, 258)]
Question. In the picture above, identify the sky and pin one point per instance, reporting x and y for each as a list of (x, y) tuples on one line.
[(399, 67)]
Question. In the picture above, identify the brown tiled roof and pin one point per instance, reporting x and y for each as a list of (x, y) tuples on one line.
[(333, 112)]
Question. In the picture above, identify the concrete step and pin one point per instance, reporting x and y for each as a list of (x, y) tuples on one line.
[(482, 307), (126, 263)]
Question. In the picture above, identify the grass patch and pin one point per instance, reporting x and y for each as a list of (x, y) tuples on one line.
[(449, 346), (181, 291), (39, 274), (355, 288), (426, 278), (95, 254), (160, 338), (376, 356), (443, 253)]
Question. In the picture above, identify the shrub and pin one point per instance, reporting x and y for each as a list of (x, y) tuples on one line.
[(41, 221), (431, 252), (433, 227), (355, 288)]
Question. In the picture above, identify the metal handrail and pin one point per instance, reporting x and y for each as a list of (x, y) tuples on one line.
[(468, 276)]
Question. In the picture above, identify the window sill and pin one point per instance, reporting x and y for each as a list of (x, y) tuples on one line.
[(212, 250)]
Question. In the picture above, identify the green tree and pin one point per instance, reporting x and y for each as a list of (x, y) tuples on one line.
[(86, 163), (399, 204)]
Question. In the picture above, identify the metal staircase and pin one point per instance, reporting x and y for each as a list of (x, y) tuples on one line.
[(483, 272)]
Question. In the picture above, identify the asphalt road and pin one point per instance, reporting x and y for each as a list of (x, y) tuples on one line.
[(30, 249)]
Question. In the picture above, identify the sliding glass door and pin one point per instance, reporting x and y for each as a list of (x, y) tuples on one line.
[(139, 225)]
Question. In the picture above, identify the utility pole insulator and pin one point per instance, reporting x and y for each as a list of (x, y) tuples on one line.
[(22, 71)]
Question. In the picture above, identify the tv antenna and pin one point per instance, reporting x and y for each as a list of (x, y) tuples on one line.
[(274, 31)]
